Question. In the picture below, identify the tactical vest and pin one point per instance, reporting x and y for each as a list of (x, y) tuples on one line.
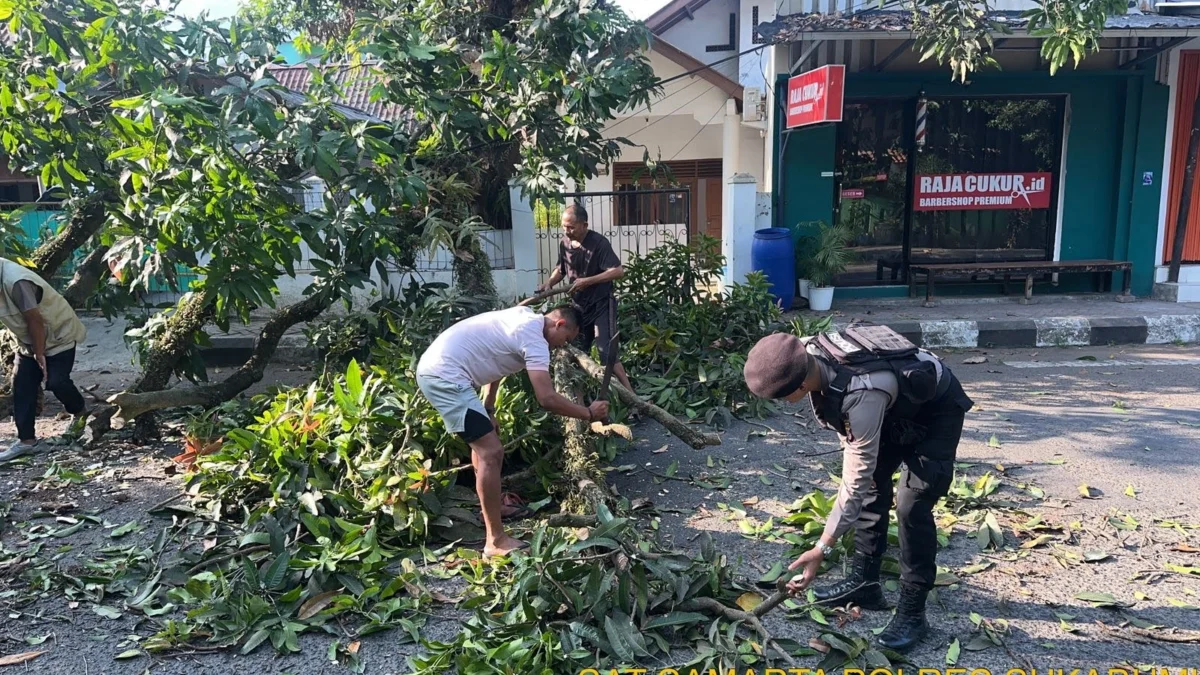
[(63, 328), (861, 350)]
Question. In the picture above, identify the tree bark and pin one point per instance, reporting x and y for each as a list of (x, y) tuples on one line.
[(582, 488), (473, 272), (191, 314), (131, 404), (1185, 197), (86, 219), (86, 279), (672, 424)]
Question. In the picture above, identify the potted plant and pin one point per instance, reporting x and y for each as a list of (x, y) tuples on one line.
[(830, 255), (803, 243)]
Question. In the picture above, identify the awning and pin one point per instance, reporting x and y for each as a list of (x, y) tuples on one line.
[(878, 24)]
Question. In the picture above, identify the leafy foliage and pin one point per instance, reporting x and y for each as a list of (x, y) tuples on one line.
[(607, 599), (959, 32), (684, 343), (830, 254)]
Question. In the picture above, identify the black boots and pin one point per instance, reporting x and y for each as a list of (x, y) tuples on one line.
[(860, 587), (907, 626)]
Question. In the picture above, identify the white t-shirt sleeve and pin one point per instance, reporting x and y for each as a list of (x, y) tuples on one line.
[(535, 347)]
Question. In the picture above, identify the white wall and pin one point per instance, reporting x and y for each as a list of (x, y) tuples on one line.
[(753, 67), (709, 27), (684, 122)]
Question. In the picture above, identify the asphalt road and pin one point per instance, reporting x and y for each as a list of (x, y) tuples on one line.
[(1130, 418), (1108, 418)]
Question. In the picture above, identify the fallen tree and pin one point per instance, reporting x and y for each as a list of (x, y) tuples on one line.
[(133, 404)]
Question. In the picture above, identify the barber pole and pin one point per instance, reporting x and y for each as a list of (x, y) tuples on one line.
[(922, 114)]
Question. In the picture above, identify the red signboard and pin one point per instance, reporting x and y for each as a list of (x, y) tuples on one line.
[(816, 96), (981, 191), (853, 193)]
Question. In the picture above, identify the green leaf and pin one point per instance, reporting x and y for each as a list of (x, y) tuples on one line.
[(257, 638), (993, 442), (818, 616), (1181, 604), (354, 382), (277, 573), (107, 612), (765, 480), (1192, 571), (1100, 599), (953, 652), (128, 654), (124, 529), (772, 575), (979, 643), (675, 619), (672, 468)]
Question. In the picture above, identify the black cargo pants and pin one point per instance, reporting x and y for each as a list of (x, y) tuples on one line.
[(926, 478)]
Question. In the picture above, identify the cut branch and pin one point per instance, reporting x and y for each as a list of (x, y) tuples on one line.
[(131, 405), (720, 609), (543, 295), (672, 424)]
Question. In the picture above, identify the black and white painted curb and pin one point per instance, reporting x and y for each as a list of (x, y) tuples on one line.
[(1052, 332)]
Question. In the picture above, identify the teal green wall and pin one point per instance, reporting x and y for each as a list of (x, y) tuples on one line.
[(1117, 131)]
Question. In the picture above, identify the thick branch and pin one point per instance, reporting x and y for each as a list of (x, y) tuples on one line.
[(718, 608), (681, 431), (86, 279), (86, 220), (131, 405), (543, 295)]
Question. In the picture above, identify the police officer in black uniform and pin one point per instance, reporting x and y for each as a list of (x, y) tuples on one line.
[(891, 405)]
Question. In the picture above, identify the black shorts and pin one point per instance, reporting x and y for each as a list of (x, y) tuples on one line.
[(596, 329), (475, 426)]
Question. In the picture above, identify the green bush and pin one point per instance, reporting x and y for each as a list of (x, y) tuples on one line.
[(684, 342)]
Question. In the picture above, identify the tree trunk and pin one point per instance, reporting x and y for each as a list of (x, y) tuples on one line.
[(473, 272), (1185, 197), (582, 488), (87, 278), (86, 219), (192, 313), (132, 405)]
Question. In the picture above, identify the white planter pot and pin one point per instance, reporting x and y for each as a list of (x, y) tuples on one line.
[(804, 286), (820, 299)]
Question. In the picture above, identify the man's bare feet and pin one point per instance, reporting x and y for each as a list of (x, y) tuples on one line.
[(503, 545)]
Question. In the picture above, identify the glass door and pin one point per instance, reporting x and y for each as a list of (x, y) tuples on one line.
[(986, 181), (872, 193)]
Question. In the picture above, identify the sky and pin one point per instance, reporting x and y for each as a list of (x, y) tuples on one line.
[(638, 9)]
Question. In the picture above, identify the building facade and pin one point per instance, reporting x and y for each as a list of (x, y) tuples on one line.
[(1078, 166)]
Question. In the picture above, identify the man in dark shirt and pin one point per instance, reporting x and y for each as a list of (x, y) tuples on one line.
[(588, 261)]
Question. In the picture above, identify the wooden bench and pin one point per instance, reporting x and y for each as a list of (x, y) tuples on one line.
[(1027, 269)]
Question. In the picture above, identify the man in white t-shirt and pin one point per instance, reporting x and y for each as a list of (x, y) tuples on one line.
[(477, 353)]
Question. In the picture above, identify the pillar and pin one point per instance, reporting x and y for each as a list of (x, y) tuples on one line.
[(737, 227), (524, 245), (730, 140)]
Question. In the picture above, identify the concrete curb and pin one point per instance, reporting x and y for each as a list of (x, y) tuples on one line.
[(227, 351), (1051, 332)]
